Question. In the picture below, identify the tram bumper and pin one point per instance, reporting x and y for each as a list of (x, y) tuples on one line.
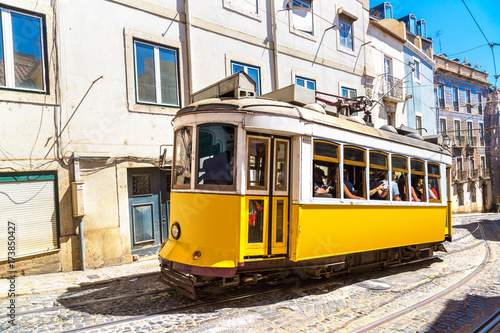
[(181, 282)]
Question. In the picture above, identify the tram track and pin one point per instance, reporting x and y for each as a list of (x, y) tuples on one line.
[(494, 319), (175, 310), (489, 324)]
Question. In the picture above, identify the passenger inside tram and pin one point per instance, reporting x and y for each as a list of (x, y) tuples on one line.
[(349, 188), (321, 188), (378, 190)]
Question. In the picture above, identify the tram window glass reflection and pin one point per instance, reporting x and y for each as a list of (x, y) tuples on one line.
[(257, 163), (182, 157), (281, 167), (379, 176), (434, 182), (418, 193), (400, 177), (216, 146), (326, 169), (255, 221), (354, 171)]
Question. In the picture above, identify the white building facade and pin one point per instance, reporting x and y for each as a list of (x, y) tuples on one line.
[(87, 103)]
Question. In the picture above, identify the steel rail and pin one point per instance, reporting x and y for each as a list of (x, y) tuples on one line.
[(163, 312), (488, 324), (82, 304), (435, 296)]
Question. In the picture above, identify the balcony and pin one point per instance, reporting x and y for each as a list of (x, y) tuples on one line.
[(484, 173), (441, 102), (459, 141), (471, 141), (475, 174), (392, 88), (461, 176)]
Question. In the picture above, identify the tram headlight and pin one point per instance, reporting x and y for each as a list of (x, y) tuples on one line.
[(175, 231)]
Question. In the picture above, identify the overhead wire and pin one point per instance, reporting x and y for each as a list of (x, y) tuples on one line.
[(489, 44)]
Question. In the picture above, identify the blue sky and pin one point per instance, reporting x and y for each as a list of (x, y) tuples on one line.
[(458, 32)]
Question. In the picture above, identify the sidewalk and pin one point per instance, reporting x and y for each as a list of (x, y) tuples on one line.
[(35, 284)]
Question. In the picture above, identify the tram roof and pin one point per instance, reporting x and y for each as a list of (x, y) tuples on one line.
[(282, 109)]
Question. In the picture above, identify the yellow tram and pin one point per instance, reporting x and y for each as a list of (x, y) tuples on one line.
[(256, 190)]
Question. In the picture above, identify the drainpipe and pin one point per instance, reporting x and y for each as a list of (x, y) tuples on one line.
[(275, 45), (76, 166), (188, 48)]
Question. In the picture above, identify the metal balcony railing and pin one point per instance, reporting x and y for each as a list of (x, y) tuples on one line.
[(481, 142), (485, 173), (472, 141), (441, 102), (462, 175), (475, 174), (392, 87), (459, 141)]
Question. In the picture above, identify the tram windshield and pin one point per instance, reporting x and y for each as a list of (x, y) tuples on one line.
[(182, 157), (216, 151)]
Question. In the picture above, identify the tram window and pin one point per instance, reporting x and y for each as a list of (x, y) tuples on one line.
[(400, 177), (354, 173), (216, 146), (281, 167), (379, 176), (434, 177), (182, 157), (257, 163), (326, 169), (255, 221), (418, 193)]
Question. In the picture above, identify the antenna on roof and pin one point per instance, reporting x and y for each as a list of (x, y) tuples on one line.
[(438, 36)]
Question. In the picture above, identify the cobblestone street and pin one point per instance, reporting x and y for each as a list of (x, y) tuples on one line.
[(341, 304)]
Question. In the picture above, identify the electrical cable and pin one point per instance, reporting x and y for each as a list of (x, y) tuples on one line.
[(490, 45)]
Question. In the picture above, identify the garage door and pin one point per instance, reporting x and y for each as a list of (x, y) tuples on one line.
[(28, 201)]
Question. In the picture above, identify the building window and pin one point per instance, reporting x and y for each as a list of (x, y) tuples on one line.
[(252, 71), (391, 118), (303, 16), (345, 31), (468, 101), (469, 131), (22, 51), (481, 134), (442, 125), (304, 82), (387, 11), (460, 197), (418, 124), (157, 78), (422, 28), (457, 129), (416, 67), (413, 24), (479, 103), (348, 92), (455, 98), (441, 100)]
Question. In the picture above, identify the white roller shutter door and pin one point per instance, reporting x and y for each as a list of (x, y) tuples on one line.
[(31, 205)]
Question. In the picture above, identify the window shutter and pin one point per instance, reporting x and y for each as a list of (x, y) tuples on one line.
[(31, 206)]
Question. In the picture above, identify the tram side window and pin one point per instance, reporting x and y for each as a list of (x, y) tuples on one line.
[(354, 173), (418, 193), (258, 151), (400, 178), (216, 151), (326, 169), (379, 176), (434, 182), (182, 157)]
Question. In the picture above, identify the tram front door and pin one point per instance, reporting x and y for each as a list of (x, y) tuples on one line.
[(267, 203)]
